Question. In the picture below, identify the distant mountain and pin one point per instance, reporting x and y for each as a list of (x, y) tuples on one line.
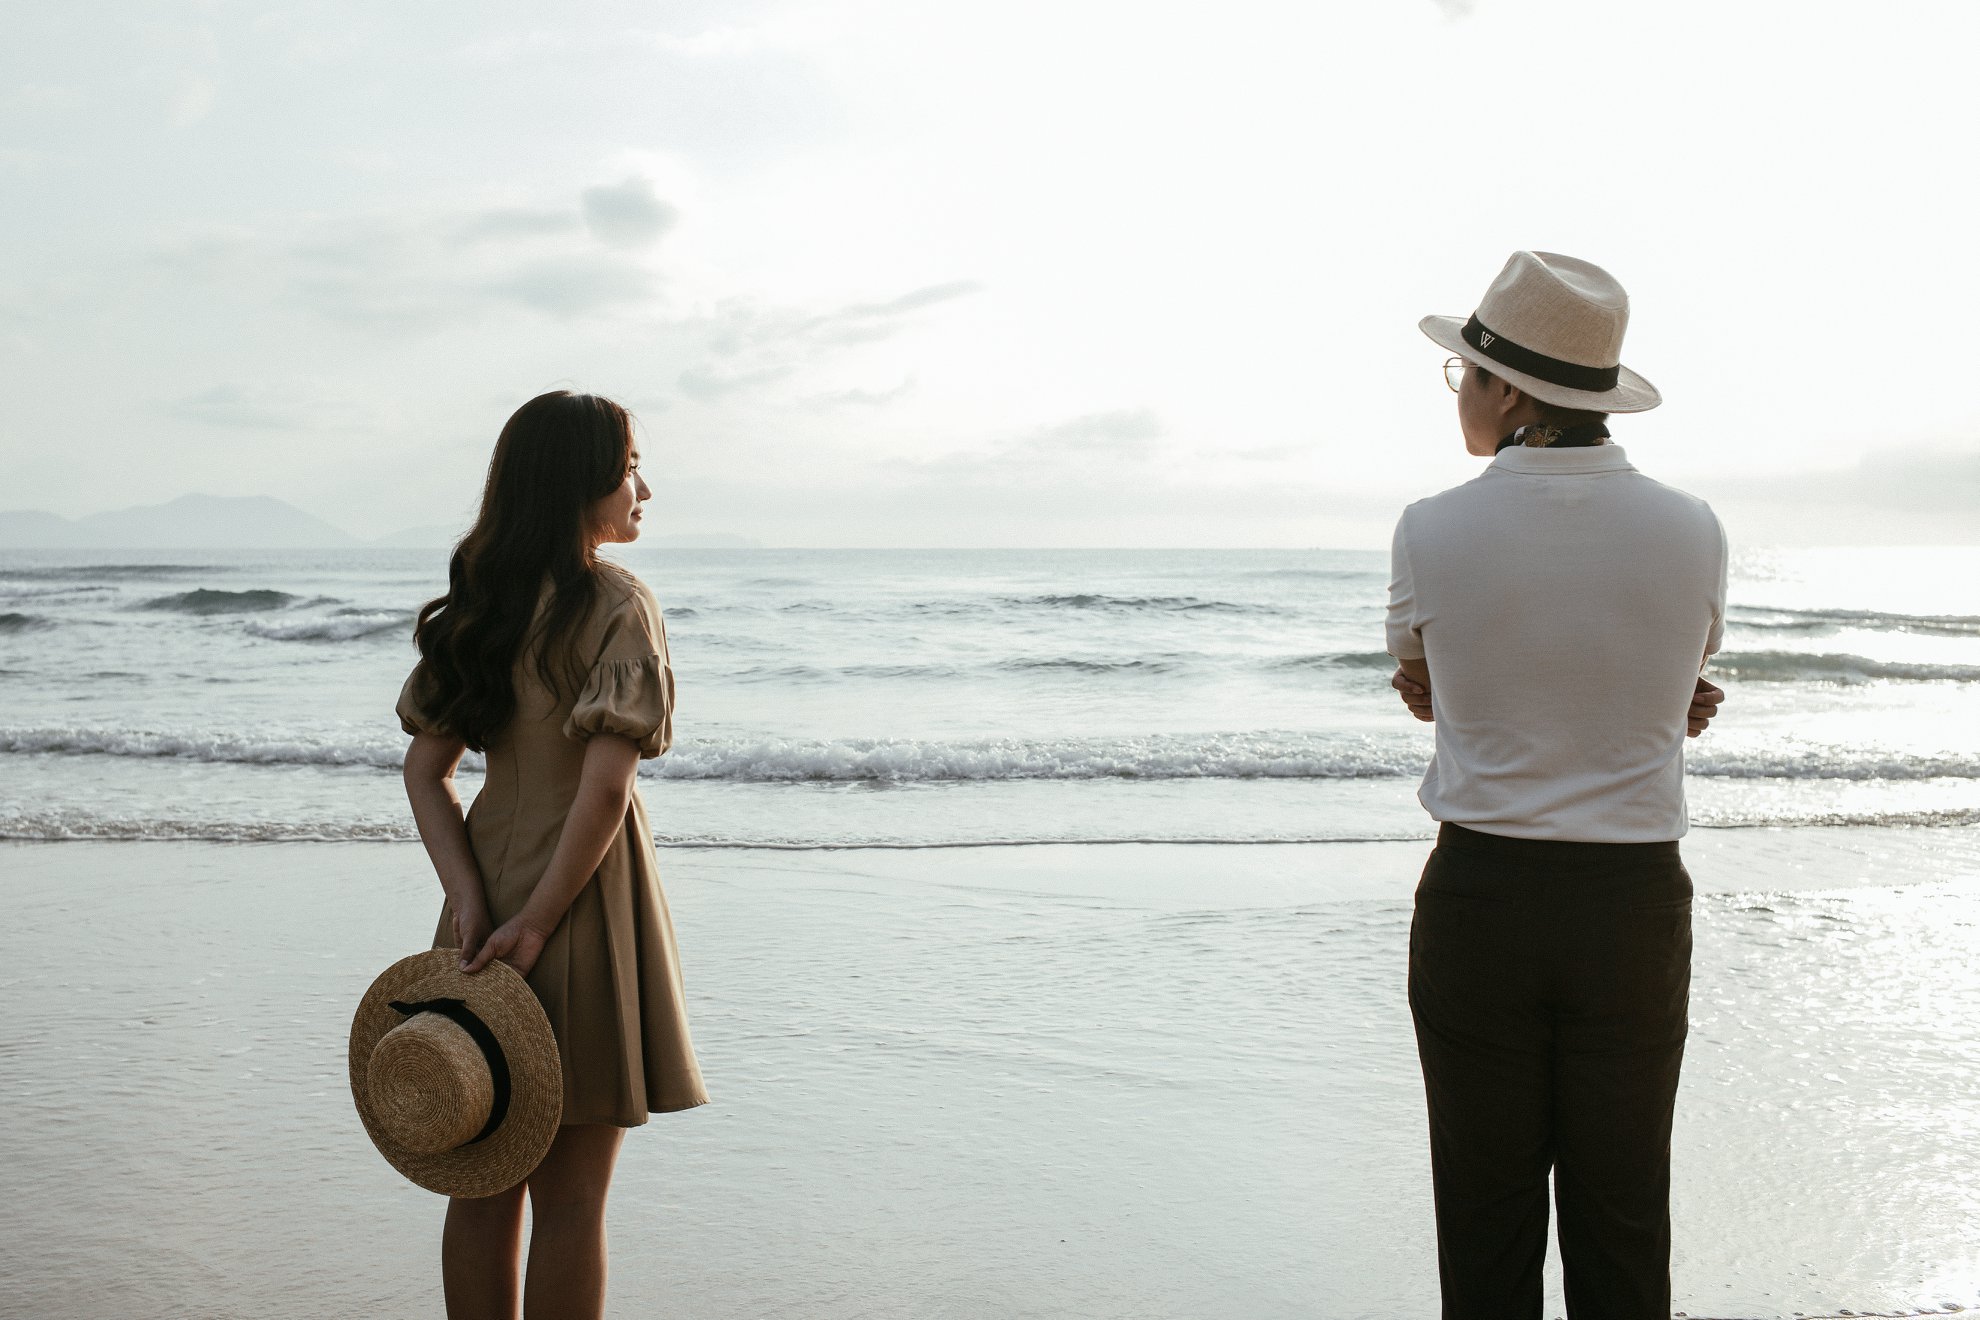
[(191, 522)]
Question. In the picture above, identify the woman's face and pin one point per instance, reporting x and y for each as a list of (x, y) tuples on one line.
[(617, 516)]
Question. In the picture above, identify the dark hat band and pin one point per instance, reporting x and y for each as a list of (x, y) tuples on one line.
[(456, 1010), (1572, 375)]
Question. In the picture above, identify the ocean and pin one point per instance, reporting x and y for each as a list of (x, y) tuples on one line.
[(1043, 917), (856, 699)]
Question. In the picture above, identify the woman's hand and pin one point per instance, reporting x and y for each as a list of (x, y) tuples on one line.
[(471, 927), (515, 942)]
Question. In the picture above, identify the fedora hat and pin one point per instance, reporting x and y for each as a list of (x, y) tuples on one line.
[(1553, 327), (456, 1077)]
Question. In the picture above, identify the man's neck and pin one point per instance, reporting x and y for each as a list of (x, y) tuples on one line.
[(1540, 435)]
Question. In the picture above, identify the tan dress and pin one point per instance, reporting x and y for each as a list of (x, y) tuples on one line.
[(609, 977)]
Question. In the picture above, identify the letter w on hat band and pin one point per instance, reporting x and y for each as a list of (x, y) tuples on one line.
[(1571, 375)]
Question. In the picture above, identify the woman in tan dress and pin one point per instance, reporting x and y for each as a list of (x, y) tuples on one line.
[(553, 663)]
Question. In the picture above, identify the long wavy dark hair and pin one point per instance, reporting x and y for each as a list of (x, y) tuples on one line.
[(556, 457)]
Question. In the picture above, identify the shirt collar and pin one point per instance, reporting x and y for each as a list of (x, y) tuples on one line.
[(1579, 461)]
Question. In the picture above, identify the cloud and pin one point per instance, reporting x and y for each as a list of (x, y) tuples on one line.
[(1123, 433), (505, 223), (1920, 496), (717, 41), (43, 96), (1921, 481), (712, 43), (232, 407), (1457, 9), (628, 214), (863, 398), (416, 271), (706, 384), (575, 286), (191, 102), (870, 322), (912, 301), (1091, 445), (745, 345), (1273, 453)]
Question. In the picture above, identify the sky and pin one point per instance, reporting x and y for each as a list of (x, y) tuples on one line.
[(900, 273)]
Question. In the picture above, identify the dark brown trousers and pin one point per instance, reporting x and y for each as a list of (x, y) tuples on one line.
[(1549, 983)]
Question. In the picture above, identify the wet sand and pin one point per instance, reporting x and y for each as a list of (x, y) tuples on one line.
[(1058, 1081)]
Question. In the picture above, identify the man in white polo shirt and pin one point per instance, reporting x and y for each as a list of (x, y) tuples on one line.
[(1553, 614)]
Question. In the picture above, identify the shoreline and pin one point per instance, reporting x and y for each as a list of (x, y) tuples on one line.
[(1725, 859), (1122, 1084)]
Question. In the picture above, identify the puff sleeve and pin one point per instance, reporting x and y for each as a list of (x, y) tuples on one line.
[(630, 688), (413, 703)]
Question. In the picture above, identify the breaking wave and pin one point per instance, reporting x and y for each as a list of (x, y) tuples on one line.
[(378, 753), (1803, 667), (1821, 761), (207, 601), (1829, 621), (1075, 664), (343, 626), (20, 623), (1160, 757), (1155, 758), (1153, 604), (851, 760), (117, 572), (1381, 660), (49, 593), (83, 825), (1135, 666), (1943, 817)]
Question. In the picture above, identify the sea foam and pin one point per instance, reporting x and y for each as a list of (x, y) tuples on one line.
[(1155, 757), (1804, 667), (344, 626), (1836, 620)]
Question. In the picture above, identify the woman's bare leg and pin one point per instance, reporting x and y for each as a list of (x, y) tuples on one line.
[(481, 1255), (566, 1278)]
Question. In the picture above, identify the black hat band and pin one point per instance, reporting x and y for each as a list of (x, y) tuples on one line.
[(1572, 375), (457, 1011)]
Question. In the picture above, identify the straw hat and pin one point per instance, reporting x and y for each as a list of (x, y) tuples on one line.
[(456, 1077), (1552, 326)]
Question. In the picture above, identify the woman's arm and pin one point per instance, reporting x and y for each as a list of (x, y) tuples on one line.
[(597, 815), (436, 807)]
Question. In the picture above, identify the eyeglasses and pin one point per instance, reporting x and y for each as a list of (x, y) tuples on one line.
[(1454, 373)]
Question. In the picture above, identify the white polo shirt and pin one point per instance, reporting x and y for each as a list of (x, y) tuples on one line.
[(1564, 602)]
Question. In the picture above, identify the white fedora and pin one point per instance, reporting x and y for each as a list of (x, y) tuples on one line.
[(1553, 327)]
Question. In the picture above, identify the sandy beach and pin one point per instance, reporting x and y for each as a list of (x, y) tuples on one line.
[(1068, 1081)]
